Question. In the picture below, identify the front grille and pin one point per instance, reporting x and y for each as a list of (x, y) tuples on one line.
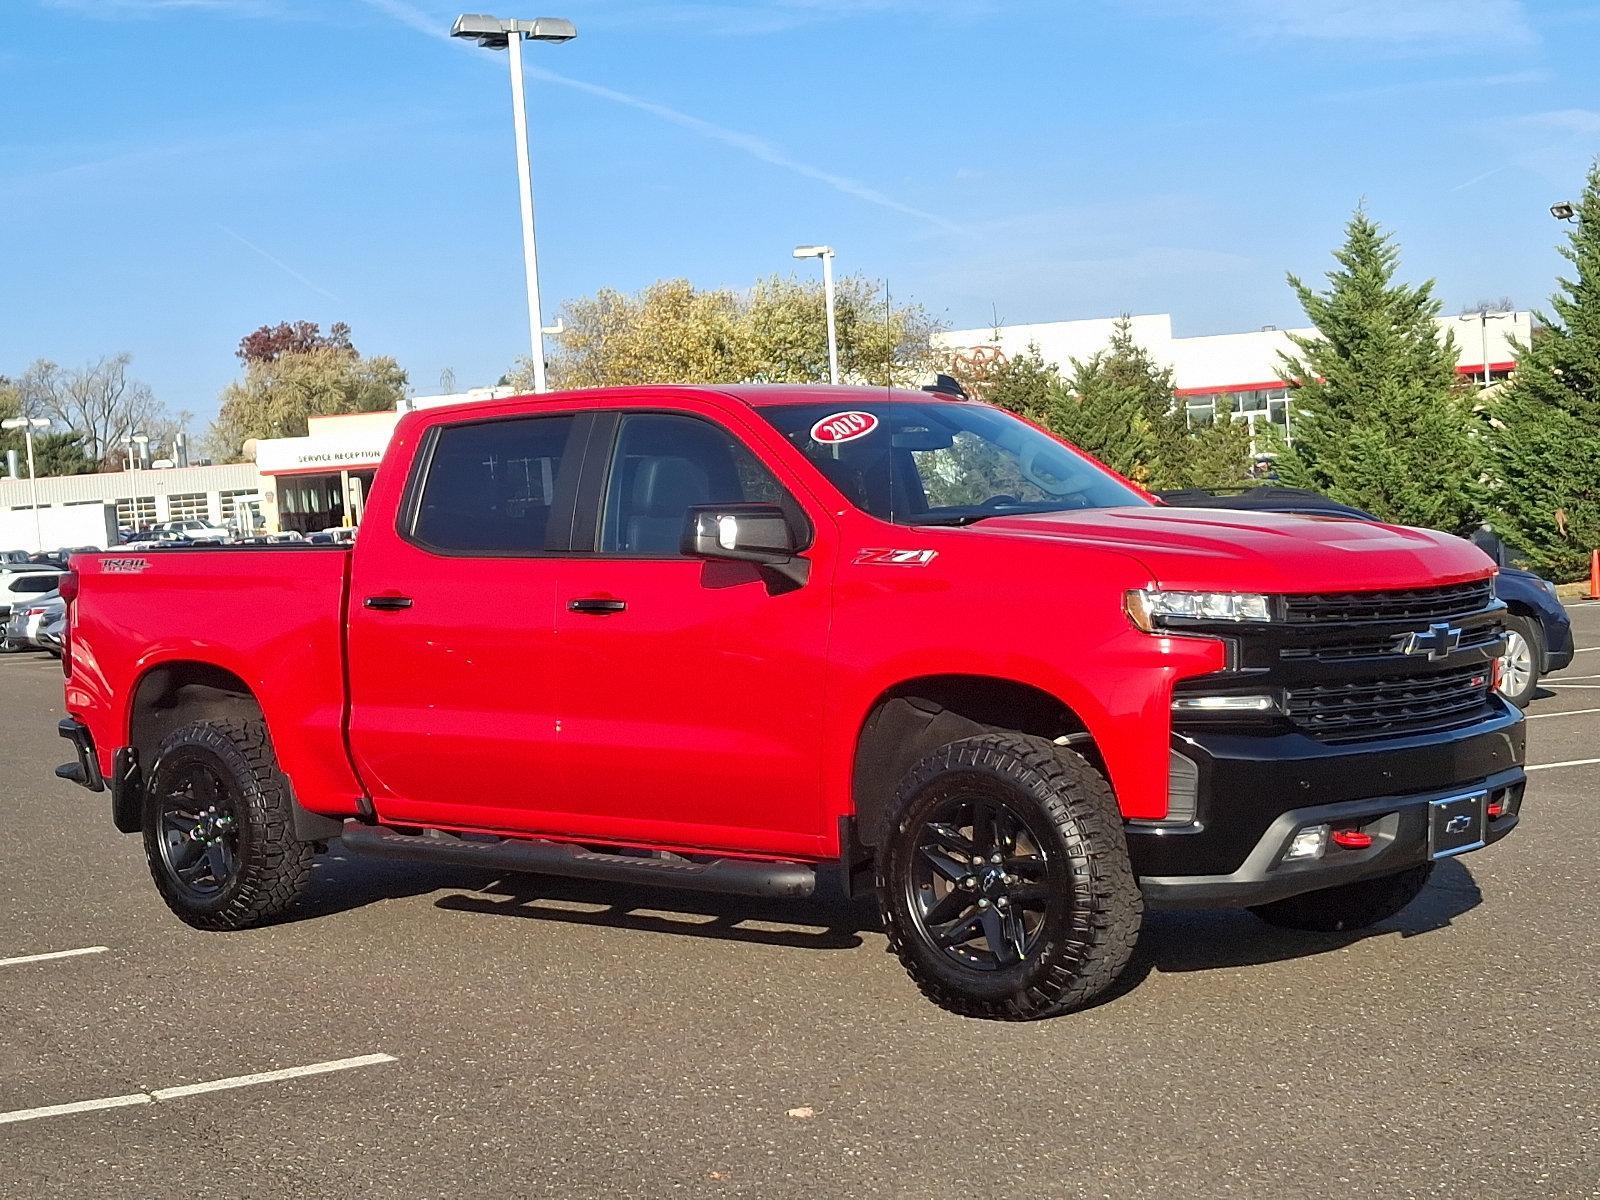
[(1411, 605), (1374, 707), (1380, 645)]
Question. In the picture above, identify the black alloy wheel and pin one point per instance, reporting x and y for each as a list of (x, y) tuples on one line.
[(198, 830)]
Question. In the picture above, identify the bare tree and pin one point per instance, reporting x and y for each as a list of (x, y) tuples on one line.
[(98, 402)]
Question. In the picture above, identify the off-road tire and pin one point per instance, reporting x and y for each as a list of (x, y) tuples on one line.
[(1349, 906), (273, 865), (1088, 932), (1533, 637)]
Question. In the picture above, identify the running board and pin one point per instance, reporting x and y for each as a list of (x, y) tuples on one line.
[(731, 876)]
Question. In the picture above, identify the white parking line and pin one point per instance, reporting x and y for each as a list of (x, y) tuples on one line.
[(1585, 649), (1573, 687), (31, 958), (1577, 712), (192, 1089), (1575, 762)]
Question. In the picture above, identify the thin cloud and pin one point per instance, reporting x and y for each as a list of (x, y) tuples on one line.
[(1414, 25), (111, 10), (746, 143), (280, 264)]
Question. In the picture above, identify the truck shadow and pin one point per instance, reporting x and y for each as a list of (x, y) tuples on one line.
[(1172, 941)]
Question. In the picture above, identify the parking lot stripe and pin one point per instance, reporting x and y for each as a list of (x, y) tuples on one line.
[(1575, 762), (32, 958), (62, 1110), (239, 1081), (1577, 712), (192, 1089)]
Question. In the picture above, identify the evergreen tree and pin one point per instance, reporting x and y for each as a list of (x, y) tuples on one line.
[(1545, 427), (1218, 453), (1381, 418), (1119, 407), (1025, 385)]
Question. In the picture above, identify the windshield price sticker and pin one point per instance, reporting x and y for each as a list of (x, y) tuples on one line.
[(843, 427)]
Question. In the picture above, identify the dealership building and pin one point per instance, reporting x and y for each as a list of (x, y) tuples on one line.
[(1244, 368)]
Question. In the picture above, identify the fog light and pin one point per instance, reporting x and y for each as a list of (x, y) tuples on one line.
[(1310, 842), (1224, 704)]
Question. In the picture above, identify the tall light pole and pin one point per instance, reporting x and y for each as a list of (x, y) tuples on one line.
[(825, 253), (497, 34), (28, 425)]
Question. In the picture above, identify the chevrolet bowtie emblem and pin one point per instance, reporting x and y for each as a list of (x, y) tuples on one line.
[(1437, 641)]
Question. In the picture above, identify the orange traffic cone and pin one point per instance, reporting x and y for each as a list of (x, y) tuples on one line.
[(1594, 575)]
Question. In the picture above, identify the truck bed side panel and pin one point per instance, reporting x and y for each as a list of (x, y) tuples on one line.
[(274, 618)]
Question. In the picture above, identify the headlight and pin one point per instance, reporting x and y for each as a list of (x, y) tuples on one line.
[(1152, 607)]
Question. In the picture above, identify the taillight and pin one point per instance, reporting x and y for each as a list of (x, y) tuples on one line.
[(69, 594), (68, 586)]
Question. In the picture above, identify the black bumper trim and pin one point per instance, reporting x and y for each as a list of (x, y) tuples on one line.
[(86, 771), (1399, 826)]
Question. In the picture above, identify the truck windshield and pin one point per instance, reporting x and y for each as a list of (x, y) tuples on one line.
[(944, 462)]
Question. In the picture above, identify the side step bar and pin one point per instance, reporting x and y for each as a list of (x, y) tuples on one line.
[(731, 876)]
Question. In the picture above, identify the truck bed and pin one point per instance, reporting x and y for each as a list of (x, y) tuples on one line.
[(274, 616)]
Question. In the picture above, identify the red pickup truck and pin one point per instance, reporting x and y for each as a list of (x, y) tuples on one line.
[(727, 638)]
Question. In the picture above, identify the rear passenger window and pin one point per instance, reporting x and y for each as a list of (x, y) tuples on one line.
[(490, 486)]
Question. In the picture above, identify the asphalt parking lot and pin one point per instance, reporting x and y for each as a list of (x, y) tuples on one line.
[(474, 1036)]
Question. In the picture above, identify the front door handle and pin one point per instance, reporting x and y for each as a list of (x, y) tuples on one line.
[(387, 603), (596, 604)]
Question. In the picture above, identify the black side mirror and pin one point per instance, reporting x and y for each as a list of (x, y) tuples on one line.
[(753, 533)]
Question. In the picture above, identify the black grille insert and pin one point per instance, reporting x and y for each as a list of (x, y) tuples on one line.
[(1415, 604), (1371, 707)]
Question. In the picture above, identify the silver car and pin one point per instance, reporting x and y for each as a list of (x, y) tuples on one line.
[(38, 624)]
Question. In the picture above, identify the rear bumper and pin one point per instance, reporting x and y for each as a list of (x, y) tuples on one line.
[(1257, 791), (86, 770)]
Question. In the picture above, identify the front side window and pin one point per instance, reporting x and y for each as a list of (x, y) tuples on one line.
[(663, 466), (490, 486), (944, 462)]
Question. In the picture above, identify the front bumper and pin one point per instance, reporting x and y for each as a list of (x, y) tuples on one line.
[(1559, 649), (1256, 791)]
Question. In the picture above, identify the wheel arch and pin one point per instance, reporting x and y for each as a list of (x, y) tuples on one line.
[(916, 716)]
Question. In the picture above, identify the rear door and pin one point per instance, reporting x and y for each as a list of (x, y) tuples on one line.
[(691, 691), (453, 687)]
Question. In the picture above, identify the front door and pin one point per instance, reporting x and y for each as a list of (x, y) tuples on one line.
[(691, 691), (453, 687)]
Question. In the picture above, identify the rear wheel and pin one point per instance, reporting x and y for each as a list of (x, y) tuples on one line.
[(1004, 880), (1519, 665), (219, 827), (1350, 905)]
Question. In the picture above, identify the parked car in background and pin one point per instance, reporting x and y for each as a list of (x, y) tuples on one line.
[(338, 535), (197, 530), (39, 625), (21, 584), (153, 539), (1538, 630), (8, 557)]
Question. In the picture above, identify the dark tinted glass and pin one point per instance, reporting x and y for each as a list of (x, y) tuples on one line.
[(491, 485), (665, 465)]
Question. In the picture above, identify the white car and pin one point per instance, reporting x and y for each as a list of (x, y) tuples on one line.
[(21, 584), (197, 530)]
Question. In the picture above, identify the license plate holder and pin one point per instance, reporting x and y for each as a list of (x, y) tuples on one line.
[(1457, 823)]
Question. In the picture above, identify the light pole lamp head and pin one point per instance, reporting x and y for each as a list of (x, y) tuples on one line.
[(26, 423), (813, 251), (1565, 211), (496, 34)]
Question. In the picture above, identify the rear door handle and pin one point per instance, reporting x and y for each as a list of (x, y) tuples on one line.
[(597, 605), (387, 603)]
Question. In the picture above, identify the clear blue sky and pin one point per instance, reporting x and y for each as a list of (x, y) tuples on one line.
[(174, 173)]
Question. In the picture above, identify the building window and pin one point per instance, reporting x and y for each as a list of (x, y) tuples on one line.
[(137, 512), (191, 506), (231, 502)]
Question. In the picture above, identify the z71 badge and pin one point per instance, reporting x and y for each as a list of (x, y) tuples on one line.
[(124, 565), (897, 558)]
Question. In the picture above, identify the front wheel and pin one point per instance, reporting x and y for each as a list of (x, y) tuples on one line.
[(1519, 665), (1350, 905), (219, 827), (1004, 880)]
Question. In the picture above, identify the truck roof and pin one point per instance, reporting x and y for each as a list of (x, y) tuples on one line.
[(756, 395)]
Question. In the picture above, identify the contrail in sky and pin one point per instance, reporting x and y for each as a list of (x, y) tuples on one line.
[(279, 263), (747, 143)]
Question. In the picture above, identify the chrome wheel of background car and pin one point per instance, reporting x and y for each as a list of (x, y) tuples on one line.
[(199, 834), (1516, 664), (978, 888)]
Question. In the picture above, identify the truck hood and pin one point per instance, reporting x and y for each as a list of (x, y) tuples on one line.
[(1230, 550)]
